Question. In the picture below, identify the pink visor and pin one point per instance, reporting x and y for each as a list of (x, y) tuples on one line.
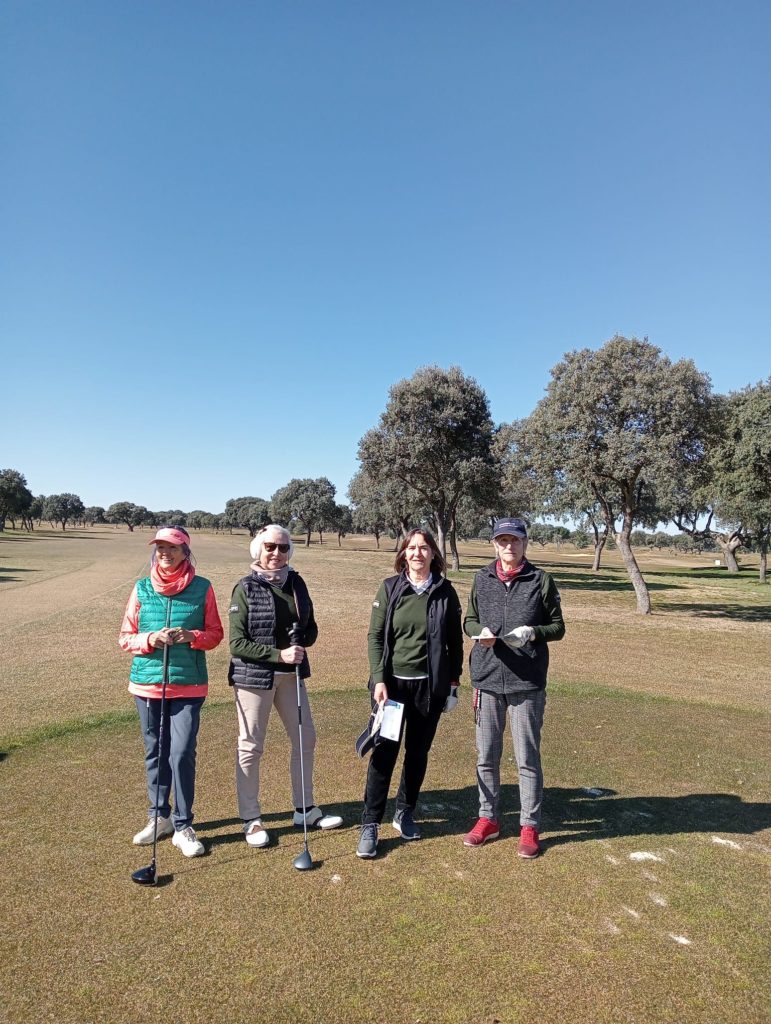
[(171, 536)]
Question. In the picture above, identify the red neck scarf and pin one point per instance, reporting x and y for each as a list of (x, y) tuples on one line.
[(507, 575), (174, 582)]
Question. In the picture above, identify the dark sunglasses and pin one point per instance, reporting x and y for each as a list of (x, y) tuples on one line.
[(270, 545)]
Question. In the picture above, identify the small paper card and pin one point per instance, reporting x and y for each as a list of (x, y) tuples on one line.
[(391, 726)]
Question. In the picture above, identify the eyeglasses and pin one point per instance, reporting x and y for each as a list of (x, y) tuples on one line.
[(270, 546)]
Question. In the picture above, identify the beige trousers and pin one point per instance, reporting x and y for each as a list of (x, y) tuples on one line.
[(253, 708)]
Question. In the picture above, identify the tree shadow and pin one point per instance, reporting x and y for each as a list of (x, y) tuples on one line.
[(10, 568), (608, 815), (576, 581), (753, 613)]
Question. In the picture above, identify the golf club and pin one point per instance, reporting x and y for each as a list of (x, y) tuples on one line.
[(149, 875), (303, 861)]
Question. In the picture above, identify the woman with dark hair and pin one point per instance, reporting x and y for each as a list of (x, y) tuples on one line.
[(415, 646), (265, 649), (171, 608)]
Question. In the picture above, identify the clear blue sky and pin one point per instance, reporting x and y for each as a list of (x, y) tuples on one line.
[(228, 229)]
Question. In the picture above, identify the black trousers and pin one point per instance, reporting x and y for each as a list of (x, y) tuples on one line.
[(418, 731)]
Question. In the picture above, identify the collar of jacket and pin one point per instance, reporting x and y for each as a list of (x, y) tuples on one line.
[(403, 583), (528, 568)]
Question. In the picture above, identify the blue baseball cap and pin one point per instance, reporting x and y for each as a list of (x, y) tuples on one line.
[(510, 528)]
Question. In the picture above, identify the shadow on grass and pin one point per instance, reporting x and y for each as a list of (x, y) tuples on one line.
[(753, 613), (10, 568), (609, 815), (575, 812), (579, 581)]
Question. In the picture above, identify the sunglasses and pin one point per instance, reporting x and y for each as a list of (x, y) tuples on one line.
[(270, 546)]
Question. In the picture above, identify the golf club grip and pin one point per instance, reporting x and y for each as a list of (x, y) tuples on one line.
[(296, 634)]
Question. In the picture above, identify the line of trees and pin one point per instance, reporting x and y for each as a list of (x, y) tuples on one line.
[(623, 440)]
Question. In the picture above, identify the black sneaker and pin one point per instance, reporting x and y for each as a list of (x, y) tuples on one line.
[(368, 840), (404, 823)]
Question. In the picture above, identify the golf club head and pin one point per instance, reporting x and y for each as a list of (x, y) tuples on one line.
[(145, 876), (303, 862)]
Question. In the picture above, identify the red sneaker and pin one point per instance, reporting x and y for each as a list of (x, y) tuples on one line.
[(485, 829), (528, 845)]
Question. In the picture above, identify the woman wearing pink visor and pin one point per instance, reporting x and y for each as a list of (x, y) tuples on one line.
[(171, 619)]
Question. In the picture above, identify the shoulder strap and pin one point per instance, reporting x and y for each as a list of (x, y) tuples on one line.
[(301, 599)]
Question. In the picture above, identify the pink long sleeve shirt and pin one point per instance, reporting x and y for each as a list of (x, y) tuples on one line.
[(206, 639)]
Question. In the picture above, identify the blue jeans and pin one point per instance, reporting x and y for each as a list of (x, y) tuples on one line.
[(177, 760)]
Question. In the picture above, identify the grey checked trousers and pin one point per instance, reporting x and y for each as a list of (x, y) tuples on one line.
[(525, 711)]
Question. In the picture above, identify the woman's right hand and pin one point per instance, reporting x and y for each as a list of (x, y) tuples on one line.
[(380, 694), (486, 638), (292, 655), (161, 637)]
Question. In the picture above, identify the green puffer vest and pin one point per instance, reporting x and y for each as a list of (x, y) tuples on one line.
[(186, 666)]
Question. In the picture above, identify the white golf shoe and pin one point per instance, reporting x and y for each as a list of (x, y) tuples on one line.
[(256, 834), (145, 836), (186, 842), (316, 818)]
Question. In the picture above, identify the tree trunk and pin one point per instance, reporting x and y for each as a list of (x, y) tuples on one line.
[(377, 538), (339, 540), (454, 551), (453, 535), (600, 539), (441, 539), (728, 546), (763, 557), (639, 584), (321, 537), (2, 523), (307, 538)]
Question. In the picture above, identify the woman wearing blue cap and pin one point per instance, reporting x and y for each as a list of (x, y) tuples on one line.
[(513, 613)]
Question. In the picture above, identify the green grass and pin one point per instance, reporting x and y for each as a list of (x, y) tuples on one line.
[(430, 931)]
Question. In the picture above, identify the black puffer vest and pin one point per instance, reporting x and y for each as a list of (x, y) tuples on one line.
[(262, 630)]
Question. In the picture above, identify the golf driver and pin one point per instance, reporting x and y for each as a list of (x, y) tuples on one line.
[(149, 875), (303, 861)]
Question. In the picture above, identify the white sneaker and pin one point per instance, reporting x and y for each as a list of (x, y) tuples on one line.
[(317, 819), (186, 843), (145, 837), (256, 834)]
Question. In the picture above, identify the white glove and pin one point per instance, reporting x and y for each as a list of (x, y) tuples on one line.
[(520, 636), (452, 700)]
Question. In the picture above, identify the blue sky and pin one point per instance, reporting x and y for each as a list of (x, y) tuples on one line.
[(228, 229)]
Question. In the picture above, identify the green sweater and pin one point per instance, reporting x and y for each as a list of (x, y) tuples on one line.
[(242, 646), (410, 655)]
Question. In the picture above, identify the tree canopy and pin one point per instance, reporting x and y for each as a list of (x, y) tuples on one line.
[(307, 502), (15, 496), (742, 463), (435, 436), (622, 424), (63, 508)]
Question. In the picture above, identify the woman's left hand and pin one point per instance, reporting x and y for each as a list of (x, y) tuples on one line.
[(183, 636)]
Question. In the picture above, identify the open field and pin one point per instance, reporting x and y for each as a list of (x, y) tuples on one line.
[(650, 903)]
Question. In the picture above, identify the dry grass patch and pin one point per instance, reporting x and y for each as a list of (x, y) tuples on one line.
[(707, 641)]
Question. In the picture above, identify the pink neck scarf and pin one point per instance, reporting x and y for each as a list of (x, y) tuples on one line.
[(174, 582), (507, 575)]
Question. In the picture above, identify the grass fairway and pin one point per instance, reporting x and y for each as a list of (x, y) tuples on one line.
[(650, 903)]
